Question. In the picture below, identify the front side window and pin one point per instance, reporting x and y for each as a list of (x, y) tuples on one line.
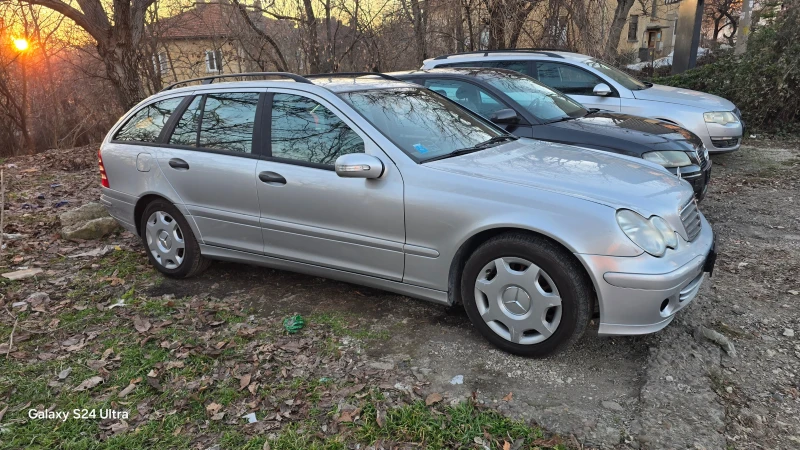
[(467, 95), (146, 124), (225, 121), (544, 103), (567, 78), (422, 124), (305, 131)]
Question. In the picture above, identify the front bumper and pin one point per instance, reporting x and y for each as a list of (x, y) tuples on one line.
[(723, 138), (642, 294)]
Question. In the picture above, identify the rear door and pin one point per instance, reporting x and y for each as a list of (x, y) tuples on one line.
[(308, 213), (210, 160), (578, 83)]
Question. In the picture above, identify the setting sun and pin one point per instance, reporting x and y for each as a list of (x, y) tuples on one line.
[(21, 44)]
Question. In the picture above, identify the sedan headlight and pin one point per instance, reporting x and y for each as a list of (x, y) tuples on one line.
[(720, 117), (669, 159), (653, 235)]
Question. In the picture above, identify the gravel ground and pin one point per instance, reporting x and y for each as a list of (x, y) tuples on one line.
[(674, 389)]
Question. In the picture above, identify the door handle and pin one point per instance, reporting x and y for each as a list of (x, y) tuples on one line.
[(177, 163), (271, 178)]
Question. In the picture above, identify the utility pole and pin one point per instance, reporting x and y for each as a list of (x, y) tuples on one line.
[(744, 27), (690, 16)]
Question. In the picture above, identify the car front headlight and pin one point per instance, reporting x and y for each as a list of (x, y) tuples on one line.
[(669, 159), (653, 235), (720, 117)]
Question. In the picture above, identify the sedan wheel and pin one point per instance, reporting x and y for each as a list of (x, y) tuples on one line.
[(518, 300), (165, 240)]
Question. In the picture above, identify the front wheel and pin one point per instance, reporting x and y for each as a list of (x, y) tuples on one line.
[(526, 294), (169, 241)]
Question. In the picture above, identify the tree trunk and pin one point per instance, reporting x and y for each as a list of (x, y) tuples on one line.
[(497, 23), (520, 16), (122, 69), (313, 47), (617, 24)]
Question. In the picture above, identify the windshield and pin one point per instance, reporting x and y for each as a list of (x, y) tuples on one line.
[(617, 75), (544, 103), (421, 123)]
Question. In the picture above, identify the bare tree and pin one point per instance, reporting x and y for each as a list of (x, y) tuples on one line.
[(621, 11)]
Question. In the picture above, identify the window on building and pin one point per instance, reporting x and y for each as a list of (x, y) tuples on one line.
[(146, 124), (161, 63), (633, 28), (214, 61)]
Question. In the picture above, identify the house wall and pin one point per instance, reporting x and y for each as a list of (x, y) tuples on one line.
[(187, 59), (664, 18)]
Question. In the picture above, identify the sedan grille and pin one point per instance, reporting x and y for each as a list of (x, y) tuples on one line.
[(690, 217)]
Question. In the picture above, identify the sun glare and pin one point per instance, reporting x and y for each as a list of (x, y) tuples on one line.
[(21, 44)]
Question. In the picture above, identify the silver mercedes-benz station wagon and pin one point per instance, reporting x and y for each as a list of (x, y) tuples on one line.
[(369, 180)]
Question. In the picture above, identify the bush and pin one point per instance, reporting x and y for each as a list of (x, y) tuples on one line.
[(763, 82)]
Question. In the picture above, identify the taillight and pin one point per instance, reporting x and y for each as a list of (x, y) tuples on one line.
[(103, 176)]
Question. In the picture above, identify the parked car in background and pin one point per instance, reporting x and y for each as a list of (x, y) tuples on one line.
[(373, 181), (595, 84), (530, 109)]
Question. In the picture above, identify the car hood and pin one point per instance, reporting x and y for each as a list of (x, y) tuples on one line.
[(669, 94), (632, 135), (614, 180)]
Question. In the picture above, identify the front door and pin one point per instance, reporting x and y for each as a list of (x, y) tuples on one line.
[(577, 83), (308, 213), (211, 164)]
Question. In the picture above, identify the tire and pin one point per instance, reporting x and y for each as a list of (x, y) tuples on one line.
[(177, 253), (534, 313)]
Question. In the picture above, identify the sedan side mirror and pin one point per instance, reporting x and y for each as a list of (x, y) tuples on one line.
[(602, 90), (358, 165), (504, 116)]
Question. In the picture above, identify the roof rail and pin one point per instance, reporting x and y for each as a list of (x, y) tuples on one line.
[(210, 79), (352, 74), (508, 50)]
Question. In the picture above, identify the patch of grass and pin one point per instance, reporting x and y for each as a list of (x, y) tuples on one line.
[(341, 326), (455, 426)]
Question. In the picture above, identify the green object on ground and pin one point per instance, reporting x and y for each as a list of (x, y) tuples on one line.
[(293, 324)]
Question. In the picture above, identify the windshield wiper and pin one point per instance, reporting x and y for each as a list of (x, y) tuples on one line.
[(478, 147)]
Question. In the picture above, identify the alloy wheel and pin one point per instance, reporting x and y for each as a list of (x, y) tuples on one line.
[(165, 240)]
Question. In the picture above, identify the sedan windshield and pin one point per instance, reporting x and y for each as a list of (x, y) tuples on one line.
[(617, 75), (544, 103), (421, 123)]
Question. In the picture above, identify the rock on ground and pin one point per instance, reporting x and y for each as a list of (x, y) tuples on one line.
[(90, 221)]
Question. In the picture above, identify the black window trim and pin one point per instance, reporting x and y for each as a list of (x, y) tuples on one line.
[(614, 92)]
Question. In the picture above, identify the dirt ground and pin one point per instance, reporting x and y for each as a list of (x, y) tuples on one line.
[(674, 389)]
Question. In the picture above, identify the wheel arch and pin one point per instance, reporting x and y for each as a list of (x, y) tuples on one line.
[(473, 242), (148, 198)]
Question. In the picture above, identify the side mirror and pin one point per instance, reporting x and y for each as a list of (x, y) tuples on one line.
[(358, 165), (602, 90), (504, 116)]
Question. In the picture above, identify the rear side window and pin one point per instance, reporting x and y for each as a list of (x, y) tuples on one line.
[(305, 131), (467, 95), (146, 124), (225, 121)]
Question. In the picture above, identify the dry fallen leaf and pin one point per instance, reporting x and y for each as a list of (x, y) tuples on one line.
[(433, 398), (88, 384), (380, 417), (128, 389), (508, 397), (218, 416), (213, 408), (506, 445), (244, 381), (141, 325)]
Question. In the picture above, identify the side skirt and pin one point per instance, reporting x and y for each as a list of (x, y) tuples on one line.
[(422, 293)]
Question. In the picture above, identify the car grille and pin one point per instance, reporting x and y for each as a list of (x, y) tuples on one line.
[(690, 217), (701, 155)]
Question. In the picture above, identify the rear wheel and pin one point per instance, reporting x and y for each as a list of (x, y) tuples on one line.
[(526, 294), (170, 243)]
